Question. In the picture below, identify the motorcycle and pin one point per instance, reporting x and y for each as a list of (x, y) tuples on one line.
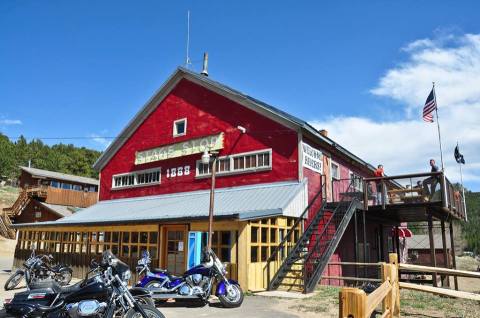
[(196, 283), (105, 294), (37, 268)]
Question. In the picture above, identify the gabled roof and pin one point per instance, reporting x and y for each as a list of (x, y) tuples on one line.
[(59, 176), (244, 202), (60, 210), (230, 93)]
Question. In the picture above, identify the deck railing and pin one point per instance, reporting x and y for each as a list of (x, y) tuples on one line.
[(419, 188)]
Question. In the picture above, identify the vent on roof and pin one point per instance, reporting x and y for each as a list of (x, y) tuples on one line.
[(205, 64), (323, 132)]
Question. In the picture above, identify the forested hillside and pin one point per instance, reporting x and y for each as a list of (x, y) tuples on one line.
[(471, 229), (61, 157)]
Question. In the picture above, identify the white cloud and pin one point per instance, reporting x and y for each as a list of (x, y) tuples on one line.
[(100, 140), (8, 122), (405, 145)]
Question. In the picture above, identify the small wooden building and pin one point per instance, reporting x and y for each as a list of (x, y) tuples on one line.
[(49, 195)]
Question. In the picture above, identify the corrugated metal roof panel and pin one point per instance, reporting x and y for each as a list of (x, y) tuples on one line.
[(245, 202), (59, 175), (61, 210)]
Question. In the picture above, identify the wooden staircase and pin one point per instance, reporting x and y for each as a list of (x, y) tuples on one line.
[(16, 209)]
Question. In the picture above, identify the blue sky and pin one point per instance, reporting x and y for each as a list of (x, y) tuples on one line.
[(84, 68)]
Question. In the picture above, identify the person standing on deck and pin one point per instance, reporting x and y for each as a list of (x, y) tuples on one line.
[(379, 173), (430, 183)]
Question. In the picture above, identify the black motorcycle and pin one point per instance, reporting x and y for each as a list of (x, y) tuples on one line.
[(103, 294), (38, 268)]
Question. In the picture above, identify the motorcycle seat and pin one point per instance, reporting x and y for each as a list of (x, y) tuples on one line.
[(54, 286), (160, 270)]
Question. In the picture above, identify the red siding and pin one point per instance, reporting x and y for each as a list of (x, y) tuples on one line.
[(207, 113)]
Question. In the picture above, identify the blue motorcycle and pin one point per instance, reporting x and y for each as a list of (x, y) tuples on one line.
[(196, 283)]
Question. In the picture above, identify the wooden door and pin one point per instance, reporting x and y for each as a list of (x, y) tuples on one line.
[(175, 249)]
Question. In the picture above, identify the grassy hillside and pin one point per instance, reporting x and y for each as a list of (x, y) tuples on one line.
[(471, 229), (8, 195)]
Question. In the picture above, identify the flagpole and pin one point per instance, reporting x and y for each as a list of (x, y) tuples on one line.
[(438, 126), (463, 191)]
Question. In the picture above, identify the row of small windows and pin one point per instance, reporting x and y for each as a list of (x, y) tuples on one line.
[(144, 177), (69, 186), (238, 163)]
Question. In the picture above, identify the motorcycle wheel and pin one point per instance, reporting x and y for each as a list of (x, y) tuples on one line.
[(151, 312), (14, 280), (64, 277), (233, 299)]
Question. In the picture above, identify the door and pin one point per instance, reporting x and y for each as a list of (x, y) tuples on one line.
[(175, 249)]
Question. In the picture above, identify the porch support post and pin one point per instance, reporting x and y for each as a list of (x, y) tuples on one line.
[(397, 240), (452, 250), (445, 278), (355, 234), (433, 260), (382, 246), (364, 244)]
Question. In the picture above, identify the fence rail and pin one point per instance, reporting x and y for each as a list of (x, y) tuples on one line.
[(355, 303)]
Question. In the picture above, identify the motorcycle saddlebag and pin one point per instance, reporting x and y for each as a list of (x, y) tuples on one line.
[(27, 303)]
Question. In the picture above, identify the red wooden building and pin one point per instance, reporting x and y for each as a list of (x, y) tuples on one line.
[(289, 199)]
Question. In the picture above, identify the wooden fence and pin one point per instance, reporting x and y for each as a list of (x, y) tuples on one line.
[(355, 303)]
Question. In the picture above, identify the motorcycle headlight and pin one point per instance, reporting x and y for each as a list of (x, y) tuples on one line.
[(126, 275)]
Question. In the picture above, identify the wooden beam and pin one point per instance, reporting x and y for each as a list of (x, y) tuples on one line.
[(439, 270), (353, 279), (445, 278), (440, 291), (452, 250), (433, 259), (377, 296)]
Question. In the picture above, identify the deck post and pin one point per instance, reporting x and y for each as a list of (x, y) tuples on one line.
[(355, 234), (445, 278), (384, 195), (382, 246), (452, 250), (397, 242), (433, 260), (365, 269)]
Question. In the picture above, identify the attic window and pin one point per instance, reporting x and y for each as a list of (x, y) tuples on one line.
[(180, 127)]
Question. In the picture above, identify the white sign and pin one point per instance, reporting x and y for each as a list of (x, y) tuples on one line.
[(312, 158), (180, 149)]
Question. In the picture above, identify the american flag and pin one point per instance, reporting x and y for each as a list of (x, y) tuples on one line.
[(430, 106)]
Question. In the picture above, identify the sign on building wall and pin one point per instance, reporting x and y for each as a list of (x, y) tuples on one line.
[(312, 158), (190, 147)]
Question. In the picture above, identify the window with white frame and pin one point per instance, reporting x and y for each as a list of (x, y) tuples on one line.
[(238, 163), (335, 170), (137, 178), (356, 181), (180, 127)]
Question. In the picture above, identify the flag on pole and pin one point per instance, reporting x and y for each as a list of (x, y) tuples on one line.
[(458, 156), (430, 106)]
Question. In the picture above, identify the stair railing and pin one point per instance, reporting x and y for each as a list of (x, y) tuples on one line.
[(276, 254), (321, 239)]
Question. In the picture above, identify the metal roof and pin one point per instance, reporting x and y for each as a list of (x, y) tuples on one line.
[(245, 202), (229, 92), (59, 176), (60, 210)]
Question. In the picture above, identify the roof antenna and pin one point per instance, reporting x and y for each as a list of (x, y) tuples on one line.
[(187, 61), (204, 71)]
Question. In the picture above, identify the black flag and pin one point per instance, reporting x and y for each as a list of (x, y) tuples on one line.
[(458, 156)]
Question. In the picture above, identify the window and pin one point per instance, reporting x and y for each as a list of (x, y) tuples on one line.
[(266, 235), (67, 186), (138, 178), (180, 127), (335, 171), (55, 184), (238, 163), (356, 181), (77, 187)]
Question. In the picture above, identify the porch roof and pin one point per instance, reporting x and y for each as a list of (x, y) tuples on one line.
[(243, 203)]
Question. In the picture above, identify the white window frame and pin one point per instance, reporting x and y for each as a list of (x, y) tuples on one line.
[(175, 132), (351, 173), (244, 170), (332, 163), (135, 175)]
